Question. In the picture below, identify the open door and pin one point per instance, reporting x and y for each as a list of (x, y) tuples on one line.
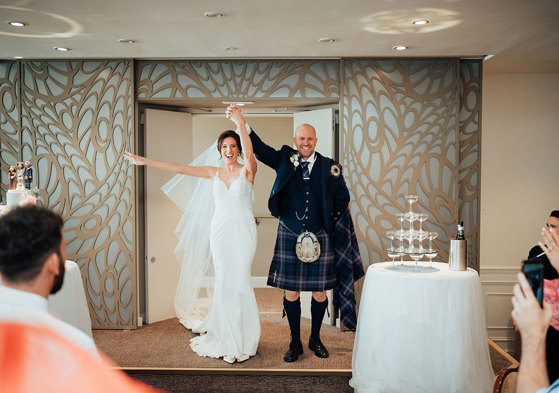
[(323, 121), (168, 137)]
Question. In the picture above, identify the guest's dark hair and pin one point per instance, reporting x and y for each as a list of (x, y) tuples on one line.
[(554, 213), (28, 236), (227, 134)]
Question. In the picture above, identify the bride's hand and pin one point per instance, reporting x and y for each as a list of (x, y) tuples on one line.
[(235, 114), (134, 159)]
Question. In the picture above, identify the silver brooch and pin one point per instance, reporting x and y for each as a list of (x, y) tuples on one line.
[(336, 170)]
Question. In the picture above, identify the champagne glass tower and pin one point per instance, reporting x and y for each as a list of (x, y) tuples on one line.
[(414, 249)]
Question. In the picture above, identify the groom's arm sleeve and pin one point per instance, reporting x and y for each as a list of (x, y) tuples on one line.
[(341, 197), (268, 155)]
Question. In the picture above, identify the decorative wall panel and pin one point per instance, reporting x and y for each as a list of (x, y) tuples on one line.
[(470, 154), (400, 136), (10, 133), (77, 120), (246, 79)]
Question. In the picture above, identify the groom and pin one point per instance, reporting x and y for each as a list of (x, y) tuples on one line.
[(309, 194)]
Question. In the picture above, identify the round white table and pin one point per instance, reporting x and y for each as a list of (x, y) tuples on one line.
[(421, 331), (70, 304)]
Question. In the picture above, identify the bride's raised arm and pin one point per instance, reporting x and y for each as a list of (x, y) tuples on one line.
[(207, 172), (235, 114)]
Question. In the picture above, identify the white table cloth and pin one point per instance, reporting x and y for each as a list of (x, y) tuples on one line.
[(70, 303), (421, 331)]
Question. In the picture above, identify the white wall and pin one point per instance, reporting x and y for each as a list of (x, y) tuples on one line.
[(519, 182)]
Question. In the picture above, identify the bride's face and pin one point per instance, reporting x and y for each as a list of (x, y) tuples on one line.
[(229, 150)]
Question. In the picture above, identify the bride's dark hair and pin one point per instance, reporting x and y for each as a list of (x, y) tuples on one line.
[(227, 134)]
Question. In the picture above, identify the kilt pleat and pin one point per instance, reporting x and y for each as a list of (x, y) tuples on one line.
[(289, 273)]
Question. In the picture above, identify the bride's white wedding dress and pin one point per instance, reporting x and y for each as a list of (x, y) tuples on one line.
[(232, 328)]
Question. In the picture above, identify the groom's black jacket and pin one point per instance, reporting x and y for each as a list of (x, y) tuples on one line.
[(327, 188)]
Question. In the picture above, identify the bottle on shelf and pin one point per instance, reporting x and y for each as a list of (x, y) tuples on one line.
[(460, 232)]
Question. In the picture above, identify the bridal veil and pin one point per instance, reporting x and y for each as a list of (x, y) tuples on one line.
[(193, 297)]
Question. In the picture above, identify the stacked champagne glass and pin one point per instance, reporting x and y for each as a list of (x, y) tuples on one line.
[(410, 240)]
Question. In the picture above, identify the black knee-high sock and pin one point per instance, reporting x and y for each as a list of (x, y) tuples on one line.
[(293, 311), (317, 312)]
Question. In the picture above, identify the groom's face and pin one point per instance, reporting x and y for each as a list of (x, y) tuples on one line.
[(305, 140)]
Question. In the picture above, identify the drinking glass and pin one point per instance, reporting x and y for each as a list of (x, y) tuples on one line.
[(390, 235), (431, 254), (394, 254), (420, 236), (431, 236), (421, 217), (410, 237), (401, 218), (411, 199), (400, 235), (411, 217), (416, 256)]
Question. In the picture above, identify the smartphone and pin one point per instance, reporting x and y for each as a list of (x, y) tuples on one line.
[(533, 270)]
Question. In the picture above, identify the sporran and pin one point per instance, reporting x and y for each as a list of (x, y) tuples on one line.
[(308, 247)]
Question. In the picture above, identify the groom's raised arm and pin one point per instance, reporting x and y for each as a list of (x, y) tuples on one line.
[(264, 153)]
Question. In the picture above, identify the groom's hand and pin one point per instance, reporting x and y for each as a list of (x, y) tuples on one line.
[(235, 114)]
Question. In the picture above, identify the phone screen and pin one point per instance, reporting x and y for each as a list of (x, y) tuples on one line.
[(534, 274)]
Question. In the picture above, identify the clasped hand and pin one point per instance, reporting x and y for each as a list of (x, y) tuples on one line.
[(235, 113)]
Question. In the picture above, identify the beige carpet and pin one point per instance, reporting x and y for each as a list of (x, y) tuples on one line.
[(165, 344)]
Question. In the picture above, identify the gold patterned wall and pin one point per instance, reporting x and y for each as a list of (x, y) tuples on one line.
[(407, 130), (76, 121), (246, 79), (406, 126), (10, 135)]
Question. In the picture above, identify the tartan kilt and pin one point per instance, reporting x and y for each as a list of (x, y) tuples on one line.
[(289, 273)]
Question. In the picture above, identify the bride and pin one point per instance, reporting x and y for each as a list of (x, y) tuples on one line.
[(230, 327)]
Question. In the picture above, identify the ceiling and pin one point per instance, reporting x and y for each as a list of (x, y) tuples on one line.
[(522, 35)]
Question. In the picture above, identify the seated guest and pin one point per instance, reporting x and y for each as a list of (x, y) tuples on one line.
[(32, 258), (533, 322), (37, 359), (551, 285)]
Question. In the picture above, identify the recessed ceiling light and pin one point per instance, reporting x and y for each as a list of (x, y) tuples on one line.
[(126, 41), (400, 47), (213, 14), (17, 24), (18, 57), (230, 48), (240, 103), (62, 49), (420, 22), (326, 40)]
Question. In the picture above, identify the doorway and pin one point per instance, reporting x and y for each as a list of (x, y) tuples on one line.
[(179, 134)]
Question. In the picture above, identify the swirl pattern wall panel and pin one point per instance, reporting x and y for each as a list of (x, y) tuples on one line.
[(400, 136), (10, 133), (470, 153), (246, 79), (77, 120)]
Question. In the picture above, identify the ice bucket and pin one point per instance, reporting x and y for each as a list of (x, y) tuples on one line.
[(457, 255)]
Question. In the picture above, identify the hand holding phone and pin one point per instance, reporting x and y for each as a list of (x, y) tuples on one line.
[(533, 270)]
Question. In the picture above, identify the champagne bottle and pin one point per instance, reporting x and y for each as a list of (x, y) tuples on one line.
[(460, 232)]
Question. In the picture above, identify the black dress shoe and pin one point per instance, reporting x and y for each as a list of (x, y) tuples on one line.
[(293, 352), (318, 348)]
